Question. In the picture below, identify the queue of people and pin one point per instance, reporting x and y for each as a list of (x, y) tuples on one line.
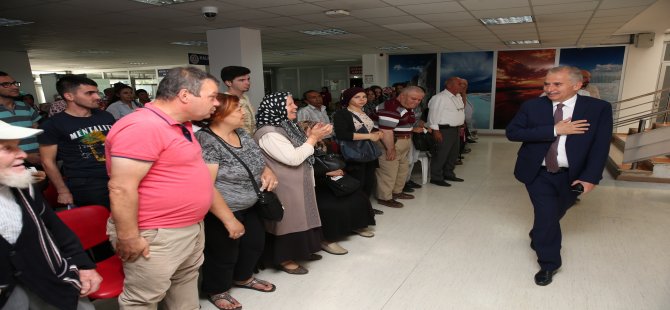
[(181, 199)]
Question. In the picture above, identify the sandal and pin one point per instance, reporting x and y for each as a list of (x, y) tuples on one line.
[(251, 285), (225, 296), (298, 270)]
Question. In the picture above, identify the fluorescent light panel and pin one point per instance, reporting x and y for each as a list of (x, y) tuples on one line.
[(518, 42), (391, 48), (507, 20), (190, 43), (163, 2), (325, 32), (4, 22)]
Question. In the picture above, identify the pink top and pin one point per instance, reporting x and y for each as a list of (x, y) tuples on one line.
[(177, 191)]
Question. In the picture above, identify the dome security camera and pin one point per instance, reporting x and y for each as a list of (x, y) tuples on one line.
[(210, 12)]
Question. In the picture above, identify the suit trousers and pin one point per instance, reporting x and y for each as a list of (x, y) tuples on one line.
[(442, 164), (551, 196), (391, 174), (170, 274)]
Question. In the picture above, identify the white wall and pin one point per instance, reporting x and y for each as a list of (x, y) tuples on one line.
[(377, 66), (17, 65), (643, 65)]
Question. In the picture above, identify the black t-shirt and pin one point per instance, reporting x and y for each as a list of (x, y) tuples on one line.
[(81, 142)]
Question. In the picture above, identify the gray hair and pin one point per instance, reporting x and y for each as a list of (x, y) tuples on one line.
[(176, 79), (574, 73), (412, 88)]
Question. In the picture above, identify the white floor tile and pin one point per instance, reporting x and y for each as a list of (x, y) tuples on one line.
[(467, 247)]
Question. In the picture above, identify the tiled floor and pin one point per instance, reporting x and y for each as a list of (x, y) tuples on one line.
[(466, 247)]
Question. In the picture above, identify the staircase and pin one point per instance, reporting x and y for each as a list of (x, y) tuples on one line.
[(642, 154), (652, 169)]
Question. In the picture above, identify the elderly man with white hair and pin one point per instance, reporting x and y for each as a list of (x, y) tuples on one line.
[(42, 263)]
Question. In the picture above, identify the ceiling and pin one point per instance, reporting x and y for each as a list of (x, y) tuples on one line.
[(110, 34)]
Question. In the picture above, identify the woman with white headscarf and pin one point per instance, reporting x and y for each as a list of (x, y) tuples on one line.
[(289, 153)]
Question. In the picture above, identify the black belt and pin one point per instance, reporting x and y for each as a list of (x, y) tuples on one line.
[(560, 169), (447, 126)]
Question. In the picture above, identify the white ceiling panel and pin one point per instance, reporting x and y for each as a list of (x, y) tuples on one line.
[(432, 8), (520, 11), (477, 5), (52, 41)]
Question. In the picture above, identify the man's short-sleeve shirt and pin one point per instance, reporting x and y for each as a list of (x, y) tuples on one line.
[(22, 116), (80, 141), (178, 189)]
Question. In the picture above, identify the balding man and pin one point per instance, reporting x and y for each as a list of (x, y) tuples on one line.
[(160, 190), (560, 156), (396, 119), (446, 114)]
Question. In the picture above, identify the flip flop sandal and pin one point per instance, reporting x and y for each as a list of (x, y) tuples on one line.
[(254, 281), (225, 296)]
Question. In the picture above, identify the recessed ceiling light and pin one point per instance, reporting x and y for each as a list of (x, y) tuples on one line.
[(390, 48), (190, 43), (163, 2), (287, 53), (516, 42), (324, 32), (337, 13), (94, 52), (13, 22), (507, 20), (136, 63)]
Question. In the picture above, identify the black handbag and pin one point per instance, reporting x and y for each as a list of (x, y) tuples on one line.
[(268, 205), (343, 185), (423, 141), (328, 162), (359, 150)]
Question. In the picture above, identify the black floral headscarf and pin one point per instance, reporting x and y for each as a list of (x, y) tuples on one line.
[(272, 112)]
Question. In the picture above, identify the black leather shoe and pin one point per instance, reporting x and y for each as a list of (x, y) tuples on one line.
[(544, 277), (440, 183), (455, 179), (407, 189), (413, 184)]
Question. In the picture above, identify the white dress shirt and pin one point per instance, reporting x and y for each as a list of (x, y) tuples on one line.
[(568, 108), (446, 108)]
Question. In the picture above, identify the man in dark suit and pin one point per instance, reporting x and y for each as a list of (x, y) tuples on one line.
[(559, 156)]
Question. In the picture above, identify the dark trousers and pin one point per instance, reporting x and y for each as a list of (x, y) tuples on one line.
[(364, 173), (443, 162), (227, 259), (551, 197), (89, 191)]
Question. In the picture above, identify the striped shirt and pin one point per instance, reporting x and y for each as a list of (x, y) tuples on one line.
[(393, 116), (22, 116)]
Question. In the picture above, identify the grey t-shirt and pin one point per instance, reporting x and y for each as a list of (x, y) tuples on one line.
[(232, 180)]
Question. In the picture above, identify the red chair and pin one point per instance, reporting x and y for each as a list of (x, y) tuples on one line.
[(89, 224)]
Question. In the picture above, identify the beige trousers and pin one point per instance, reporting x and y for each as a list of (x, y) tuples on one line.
[(391, 174), (170, 274)]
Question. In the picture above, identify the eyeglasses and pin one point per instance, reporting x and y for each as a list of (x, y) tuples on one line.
[(187, 134), (8, 84)]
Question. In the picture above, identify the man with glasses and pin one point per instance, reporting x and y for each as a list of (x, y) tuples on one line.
[(161, 189), (18, 113), (446, 114)]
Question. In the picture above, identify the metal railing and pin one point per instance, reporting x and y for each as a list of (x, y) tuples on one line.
[(660, 110)]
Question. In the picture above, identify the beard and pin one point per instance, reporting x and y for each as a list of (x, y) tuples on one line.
[(18, 180)]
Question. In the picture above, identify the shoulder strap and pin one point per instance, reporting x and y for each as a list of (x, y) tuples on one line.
[(251, 175)]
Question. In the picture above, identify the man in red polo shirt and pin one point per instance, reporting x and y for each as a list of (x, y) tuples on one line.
[(160, 190), (396, 119)]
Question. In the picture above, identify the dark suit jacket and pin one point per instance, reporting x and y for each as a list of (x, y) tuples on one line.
[(25, 262), (587, 153)]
